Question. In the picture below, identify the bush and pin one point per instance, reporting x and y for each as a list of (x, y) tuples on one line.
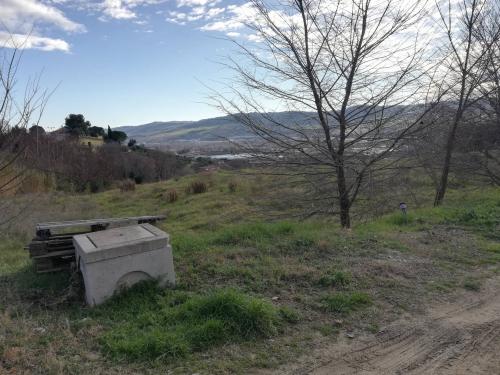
[(127, 185), (176, 327), (346, 302), (197, 187), (172, 196)]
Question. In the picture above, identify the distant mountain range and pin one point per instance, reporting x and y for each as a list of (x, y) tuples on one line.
[(214, 130), (207, 130)]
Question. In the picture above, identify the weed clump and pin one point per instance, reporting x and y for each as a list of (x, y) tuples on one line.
[(346, 302), (172, 196), (335, 279), (232, 186), (401, 220), (289, 315), (197, 187), (473, 285), (482, 217), (179, 326), (127, 185)]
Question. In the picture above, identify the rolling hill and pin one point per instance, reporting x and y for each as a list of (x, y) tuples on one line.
[(215, 131), (207, 130)]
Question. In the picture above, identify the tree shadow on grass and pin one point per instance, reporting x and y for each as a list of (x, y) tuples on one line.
[(25, 287)]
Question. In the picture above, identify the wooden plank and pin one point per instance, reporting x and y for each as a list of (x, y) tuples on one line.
[(36, 252), (48, 247), (41, 251), (54, 269), (43, 264), (52, 265), (55, 254), (38, 248), (51, 242), (61, 236), (78, 223)]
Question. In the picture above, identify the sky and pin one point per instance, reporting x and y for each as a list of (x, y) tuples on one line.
[(131, 62), (124, 62)]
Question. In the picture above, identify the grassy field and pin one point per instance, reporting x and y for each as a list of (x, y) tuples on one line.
[(254, 290)]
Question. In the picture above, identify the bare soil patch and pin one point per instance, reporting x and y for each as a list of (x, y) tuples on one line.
[(461, 336)]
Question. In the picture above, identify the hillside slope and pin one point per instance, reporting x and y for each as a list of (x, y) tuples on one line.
[(228, 127), (206, 130), (328, 286)]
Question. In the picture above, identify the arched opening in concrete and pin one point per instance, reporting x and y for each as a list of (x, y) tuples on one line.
[(132, 278)]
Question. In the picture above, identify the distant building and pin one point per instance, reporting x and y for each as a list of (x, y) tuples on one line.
[(92, 142)]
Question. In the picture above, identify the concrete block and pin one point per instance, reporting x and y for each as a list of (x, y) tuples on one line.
[(118, 258)]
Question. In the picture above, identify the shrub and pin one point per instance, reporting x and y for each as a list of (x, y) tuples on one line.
[(172, 196), (197, 187), (346, 302), (232, 186), (127, 185)]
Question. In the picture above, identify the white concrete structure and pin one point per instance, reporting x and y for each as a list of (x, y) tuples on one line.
[(112, 259)]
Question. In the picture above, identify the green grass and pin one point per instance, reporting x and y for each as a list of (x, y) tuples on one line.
[(177, 324), (344, 302), (259, 234), (477, 210)]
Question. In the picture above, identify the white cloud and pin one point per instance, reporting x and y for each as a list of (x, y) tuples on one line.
[(124, 9), (23, 15), (117, 9), (213, 12), (234, 18), (226, 25), (254, 38), (177, 17), (22, 23), (194, 10), (24, 41), (195, 3)]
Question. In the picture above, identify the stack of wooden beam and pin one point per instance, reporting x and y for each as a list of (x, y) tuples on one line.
[(52, 249)]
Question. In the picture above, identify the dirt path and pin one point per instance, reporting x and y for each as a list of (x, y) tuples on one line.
[(461, 337)]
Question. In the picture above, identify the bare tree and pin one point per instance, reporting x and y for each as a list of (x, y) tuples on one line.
[(18, 110), (358, 69), (488, 36), (465, 64)]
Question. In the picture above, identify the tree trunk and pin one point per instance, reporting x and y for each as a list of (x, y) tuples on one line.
[(443, 184), (344, 204)]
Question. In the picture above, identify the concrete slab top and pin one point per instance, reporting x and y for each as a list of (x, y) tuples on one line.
[(118, 236), (112, 243)]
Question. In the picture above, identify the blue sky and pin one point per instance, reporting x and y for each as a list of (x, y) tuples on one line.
[(124, 62)]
